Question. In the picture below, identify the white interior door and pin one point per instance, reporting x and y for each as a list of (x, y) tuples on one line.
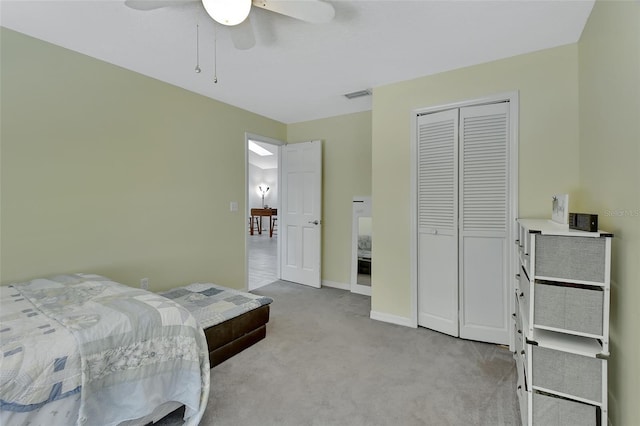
[(484, 212), (437, 221), (300, 214)]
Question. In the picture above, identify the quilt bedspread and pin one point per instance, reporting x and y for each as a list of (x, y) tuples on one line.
[(125, 350)]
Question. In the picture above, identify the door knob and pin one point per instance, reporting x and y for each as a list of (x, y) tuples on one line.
[(315, 222)]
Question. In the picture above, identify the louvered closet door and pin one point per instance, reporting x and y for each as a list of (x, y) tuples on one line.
[(484, 159), (437, 221)]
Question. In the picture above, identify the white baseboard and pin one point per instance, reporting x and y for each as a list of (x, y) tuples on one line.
[(334, 284), (392, 319)]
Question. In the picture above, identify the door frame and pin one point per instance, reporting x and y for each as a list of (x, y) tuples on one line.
[(513, 98), (252, 136)]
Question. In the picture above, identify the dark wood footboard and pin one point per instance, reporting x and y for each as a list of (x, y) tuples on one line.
[(235, 335)]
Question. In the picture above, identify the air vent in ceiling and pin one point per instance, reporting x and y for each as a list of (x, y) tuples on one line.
[(358, 94)]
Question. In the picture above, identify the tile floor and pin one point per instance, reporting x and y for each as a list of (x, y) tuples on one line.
[(263, 260)]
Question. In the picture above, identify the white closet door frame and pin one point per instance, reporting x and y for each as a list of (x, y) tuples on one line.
[(513, 99)]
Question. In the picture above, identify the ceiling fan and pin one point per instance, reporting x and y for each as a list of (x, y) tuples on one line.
[(235, 13)]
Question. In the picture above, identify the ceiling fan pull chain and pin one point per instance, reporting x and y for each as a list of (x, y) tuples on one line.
[(198, 70), (215, 53)]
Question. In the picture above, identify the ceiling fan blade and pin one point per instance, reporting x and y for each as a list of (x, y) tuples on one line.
[(314, 11), (242, 35), (154, 4)]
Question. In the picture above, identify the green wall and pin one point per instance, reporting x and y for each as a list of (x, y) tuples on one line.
[(548, 147), (609, 76), (107, 171), (346, 172)]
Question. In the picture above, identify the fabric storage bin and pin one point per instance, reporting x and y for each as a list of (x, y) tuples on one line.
[(549, 410), (568, 373), (574, 258), (568, 307)]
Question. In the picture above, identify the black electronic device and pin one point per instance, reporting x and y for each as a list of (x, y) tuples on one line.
[(583, 222)]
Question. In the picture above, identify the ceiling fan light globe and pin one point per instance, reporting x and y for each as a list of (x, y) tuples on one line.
[(228, 12)]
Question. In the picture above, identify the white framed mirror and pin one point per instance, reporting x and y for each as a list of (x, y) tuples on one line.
[(361, 241)]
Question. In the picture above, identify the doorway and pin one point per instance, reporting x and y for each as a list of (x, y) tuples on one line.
[(262, 202)]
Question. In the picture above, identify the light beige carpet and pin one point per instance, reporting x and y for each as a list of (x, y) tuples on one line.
[(325, 362)]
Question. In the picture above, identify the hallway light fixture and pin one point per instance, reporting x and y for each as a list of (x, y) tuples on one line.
[(258, 149), (263, 189)]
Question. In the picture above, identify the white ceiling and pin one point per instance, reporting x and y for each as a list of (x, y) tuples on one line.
[(299, 71)]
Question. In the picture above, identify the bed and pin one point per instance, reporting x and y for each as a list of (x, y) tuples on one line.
[(82, 349), (232, 320)]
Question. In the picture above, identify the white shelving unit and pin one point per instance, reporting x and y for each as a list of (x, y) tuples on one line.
[(561, 324)]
